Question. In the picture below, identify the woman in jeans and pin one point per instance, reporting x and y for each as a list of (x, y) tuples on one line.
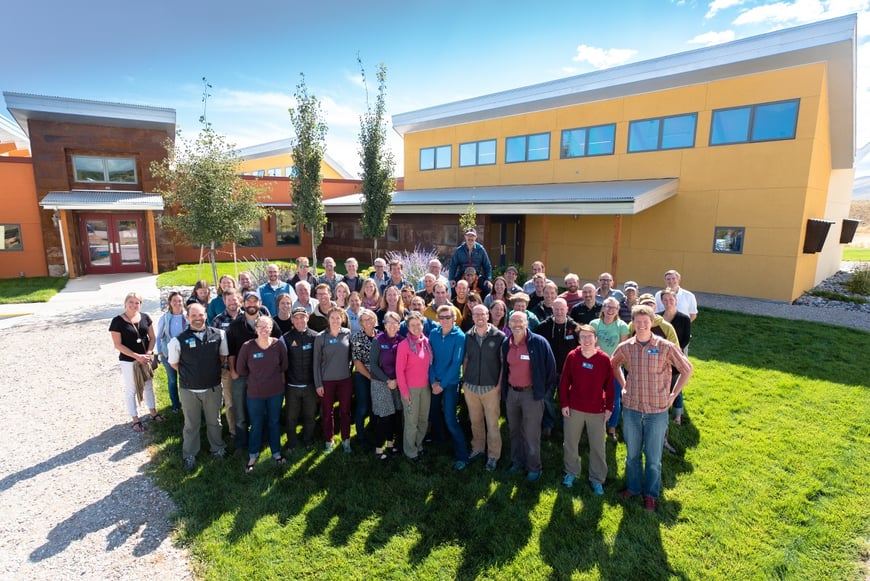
[(332, 377), (173, 322), (361, 346), (263, 360), (413, 358)]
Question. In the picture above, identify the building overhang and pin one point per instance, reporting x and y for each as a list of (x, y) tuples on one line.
[(832, 42), (285, 147), (102, 200), (25, 107), (626, 197)]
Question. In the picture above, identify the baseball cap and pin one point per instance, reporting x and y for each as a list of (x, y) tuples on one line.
[(299, 311), (629, 284), (250, 294), (471, 231)]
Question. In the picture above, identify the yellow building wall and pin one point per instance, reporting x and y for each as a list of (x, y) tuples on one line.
[(282, 162), (769, 188)]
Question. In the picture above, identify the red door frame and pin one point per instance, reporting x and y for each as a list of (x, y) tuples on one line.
[(117, 249)]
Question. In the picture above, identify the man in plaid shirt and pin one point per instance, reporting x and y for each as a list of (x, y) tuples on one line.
[(646, 397)]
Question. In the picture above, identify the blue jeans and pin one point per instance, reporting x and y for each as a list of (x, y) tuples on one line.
[(451, 420), (266, 409), (644, 434), (362, 390), (550, 416), (240, 397), (436, 418), (617, 405), (172, 383)]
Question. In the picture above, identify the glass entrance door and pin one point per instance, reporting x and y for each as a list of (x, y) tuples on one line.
[(112, 243), (503, 245)]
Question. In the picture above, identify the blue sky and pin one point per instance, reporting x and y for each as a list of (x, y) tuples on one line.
[(156, 53)]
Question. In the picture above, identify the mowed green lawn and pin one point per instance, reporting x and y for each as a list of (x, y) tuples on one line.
[(771, 480)]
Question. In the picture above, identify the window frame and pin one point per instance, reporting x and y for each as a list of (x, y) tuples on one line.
[(477, 145), (253, 238), (526, 139), (721, 245), (563, 152), (661, 132), (104, 159), (4, 227), (435, 149), (393, 234), (750, 123), (279, 233)]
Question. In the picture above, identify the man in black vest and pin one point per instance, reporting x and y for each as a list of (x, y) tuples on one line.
[(198, 354), (300, 394)]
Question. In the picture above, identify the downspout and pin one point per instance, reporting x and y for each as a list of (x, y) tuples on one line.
[(57, 224)]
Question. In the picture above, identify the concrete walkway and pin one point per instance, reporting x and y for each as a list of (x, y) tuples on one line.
[(85, 299)]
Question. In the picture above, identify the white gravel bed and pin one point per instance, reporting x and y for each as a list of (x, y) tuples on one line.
[(74, 498)]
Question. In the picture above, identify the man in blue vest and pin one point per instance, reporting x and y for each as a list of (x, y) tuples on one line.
[(198, 354)]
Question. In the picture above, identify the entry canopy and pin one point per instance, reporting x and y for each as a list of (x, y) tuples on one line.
[(578, 198), (102, 200)]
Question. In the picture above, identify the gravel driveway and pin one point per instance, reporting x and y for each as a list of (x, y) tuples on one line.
[(75, 500)]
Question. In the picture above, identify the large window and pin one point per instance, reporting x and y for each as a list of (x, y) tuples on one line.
[(255, 234), (663, 133), (435, 157), (286, 230), (477, 153), (527, 148), (588, 141), (728, 239), (10, 237), (106, 170), (764, 122)]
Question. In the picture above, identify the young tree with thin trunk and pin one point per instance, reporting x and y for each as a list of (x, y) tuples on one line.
[(308, 150), (376, 162), (208, 203)]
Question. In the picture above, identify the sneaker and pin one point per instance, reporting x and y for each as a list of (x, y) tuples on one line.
[(597, 489), (329, 447), (189, 464), (418, 460), (459, 465), (513, 469), (490, 464), (626, 493), (346, 445), (650, 503), (533, 476), (219, 454), (474, 456), (568, 481)]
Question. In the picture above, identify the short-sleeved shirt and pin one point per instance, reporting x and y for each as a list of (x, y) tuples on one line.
[(133, 337)]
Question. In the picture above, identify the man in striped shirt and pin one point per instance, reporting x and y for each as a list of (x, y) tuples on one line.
[(646, 397)]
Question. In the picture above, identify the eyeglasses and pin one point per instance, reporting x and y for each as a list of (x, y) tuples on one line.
[(605, 280), (609, 307), (445, 318)]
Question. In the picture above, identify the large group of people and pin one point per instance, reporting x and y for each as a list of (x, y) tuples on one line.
[(400, 360)]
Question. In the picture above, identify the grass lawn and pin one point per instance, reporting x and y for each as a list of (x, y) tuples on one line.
[(188, 274), (37, 289), (771, 480), (856, 254)]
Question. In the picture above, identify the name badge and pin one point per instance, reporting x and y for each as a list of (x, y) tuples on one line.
[(333, 341), (258, 355), (587, 365), (569, 337), (191, 342), (525, 357), (306, 347), (386, 347), (653, 351)]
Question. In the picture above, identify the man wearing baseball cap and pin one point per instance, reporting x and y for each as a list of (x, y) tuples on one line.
[(471, 254)]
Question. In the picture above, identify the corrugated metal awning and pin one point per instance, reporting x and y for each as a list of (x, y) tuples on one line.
[(102, 200), (581, 198)]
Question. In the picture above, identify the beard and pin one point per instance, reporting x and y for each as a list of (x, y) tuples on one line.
[(252, 310)]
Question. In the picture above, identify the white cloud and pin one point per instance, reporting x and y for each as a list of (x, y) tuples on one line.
[(711, 38), (602, 58), (719, 5), (800, 11)]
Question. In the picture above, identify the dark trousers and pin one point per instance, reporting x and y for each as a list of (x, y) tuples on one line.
[(300, 400)]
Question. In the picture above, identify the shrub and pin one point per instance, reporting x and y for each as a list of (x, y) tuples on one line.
[(256, 267), (414, 264), (859, 284)]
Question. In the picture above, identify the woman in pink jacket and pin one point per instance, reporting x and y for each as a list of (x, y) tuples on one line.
[(413, 357)]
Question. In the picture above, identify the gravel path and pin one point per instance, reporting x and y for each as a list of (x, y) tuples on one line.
[(75, 500)]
